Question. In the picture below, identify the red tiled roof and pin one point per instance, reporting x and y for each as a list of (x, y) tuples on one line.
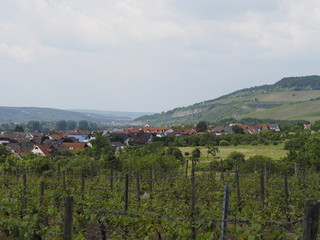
[(74, 146)]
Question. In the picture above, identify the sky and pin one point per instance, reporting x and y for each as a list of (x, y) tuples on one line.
[(150, 55)]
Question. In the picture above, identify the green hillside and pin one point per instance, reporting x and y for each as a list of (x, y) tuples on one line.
[(25, 114), (289, 99)]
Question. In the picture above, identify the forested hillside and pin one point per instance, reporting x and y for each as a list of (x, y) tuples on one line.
[(291, 98)]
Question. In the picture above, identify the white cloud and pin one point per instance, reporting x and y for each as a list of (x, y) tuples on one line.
[(16, 52), (121, 43)]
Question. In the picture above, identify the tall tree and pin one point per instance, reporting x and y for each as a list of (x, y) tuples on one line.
[(34, 126), (84, 125), (71, 125), (202, 126), (18, 128), (61, 125)]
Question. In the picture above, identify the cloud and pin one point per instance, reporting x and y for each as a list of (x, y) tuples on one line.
[(171, 44), (16, 52)]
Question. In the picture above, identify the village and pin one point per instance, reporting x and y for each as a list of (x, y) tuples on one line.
[(57, 142)]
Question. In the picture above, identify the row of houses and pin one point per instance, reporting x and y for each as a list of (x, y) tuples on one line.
[(53, 144)]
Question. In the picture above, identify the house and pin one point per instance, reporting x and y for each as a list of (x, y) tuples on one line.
[(219, 130), (42, 150), (4, 141), (274, 127), (117, 145), (72, 146)]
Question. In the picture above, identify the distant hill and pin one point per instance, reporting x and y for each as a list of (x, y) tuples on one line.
[(115, 114), (292, 98), (25, 114)]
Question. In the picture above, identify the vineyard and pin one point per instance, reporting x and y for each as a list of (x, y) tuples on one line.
[(185, 203)]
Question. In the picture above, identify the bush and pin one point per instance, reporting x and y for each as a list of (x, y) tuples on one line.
[(223, 143)]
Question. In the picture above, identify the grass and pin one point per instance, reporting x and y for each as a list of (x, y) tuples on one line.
[(274, 151), (304, 110)]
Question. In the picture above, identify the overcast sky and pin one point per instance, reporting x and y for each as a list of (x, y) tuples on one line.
[(150, 55)]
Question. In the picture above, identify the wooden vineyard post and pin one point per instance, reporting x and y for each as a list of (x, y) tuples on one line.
[(211, 170), (126, 194), (155, 174), (310, 220), (111, 179), (187, 165), (286, 191), (138, 186), (24, 192), (41, 193), (236, 176), (262, 190), (130, 170), (59, 175), (68, 215), (221, 170), (91, 170), (225, 212), (266, 173), (17, 174), (82, 181), (64, 180), (193, 201), (150, 179), (295, 170)]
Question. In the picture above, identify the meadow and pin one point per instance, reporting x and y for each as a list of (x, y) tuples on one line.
[(275, 152)]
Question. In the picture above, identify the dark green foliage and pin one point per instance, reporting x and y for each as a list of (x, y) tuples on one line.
[(234, 159), (71, 125), (61, 125), (296, 143), (201, 126), (84, 125), (176, 152), (257, 163), (34, 126), (18, 128), (224, 143), (4, 152), (300, 83), (237, 129), (311, 151), (316, 126), (196, 153), (102, 150)]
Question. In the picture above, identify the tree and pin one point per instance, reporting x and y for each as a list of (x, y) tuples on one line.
[(196, 153), (311, 151), (212, 150), (102, 150), (3, 153), (237, 129), (201, 126), (34, 126), (61, 125), (316, 126), (93, 125), (176, 152), (256, 163), (18, 128), (234, 159), (71, 125), (84, 125)]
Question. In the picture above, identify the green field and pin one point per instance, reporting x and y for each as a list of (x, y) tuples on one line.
[(304, 110), (274, 151)]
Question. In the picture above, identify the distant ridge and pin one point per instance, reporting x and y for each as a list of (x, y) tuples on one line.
[(291, 98), (25, 114)]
